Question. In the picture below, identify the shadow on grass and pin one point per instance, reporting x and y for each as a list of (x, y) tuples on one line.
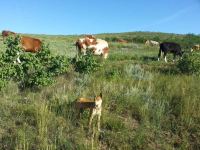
[(149, 58), (168, 69)]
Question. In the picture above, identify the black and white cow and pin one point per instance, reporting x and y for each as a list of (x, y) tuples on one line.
[(170, 47)]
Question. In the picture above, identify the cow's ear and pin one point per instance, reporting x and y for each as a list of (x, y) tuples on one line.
[(100, 94)]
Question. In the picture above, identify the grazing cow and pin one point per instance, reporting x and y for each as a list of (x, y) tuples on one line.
[(94, 105), (101, 48), (83, 43), (170, 47), (98, 46), (6, 33), (30, 44), (151, 43), (122, 41), (195, 47)]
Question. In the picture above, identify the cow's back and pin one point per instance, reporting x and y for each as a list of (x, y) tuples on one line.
[(30, 44), (170, 47)]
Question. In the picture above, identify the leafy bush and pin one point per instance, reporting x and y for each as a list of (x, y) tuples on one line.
[(86, 64), (35, 69), (12, 49), (190, 64)]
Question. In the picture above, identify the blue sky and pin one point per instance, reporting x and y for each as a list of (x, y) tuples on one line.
[(105, 16)]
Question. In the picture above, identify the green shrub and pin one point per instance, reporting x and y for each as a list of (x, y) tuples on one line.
[(85, 64), (35, 69), (12, 49), (190, 64)]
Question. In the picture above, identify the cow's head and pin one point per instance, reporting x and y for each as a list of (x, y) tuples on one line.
[(90, 41), (98, 100), (90, 36), (80, 44)]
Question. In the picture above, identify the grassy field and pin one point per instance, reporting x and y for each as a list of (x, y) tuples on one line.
[(146, 104)]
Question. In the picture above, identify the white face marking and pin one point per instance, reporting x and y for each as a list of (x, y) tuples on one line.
[(91, 40), (98, 103), (97, 109), (81, 40)]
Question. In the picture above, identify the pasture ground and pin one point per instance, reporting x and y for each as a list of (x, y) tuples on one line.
[(146, 104)]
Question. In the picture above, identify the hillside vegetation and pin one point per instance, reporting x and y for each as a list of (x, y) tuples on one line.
[(146, 104)]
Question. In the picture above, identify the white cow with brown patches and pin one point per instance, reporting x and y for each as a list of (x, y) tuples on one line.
[(98, 46), (101, 48), (152, 43), (195, 47)]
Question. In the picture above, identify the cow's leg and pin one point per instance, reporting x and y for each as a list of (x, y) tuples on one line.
[(105, 55), (165, 57), (90, 121), (159, 54), (174, 58), (80, 111), (18, 60), (84, 52), (91, 117), (99, 119)]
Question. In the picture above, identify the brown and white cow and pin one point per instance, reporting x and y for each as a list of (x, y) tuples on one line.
[(83, 43), (98, 46), (195, 47), (152, 43)]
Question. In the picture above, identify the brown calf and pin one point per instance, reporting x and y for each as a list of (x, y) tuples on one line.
[(6, 33), (122, 41), (30, 44), (94, 105)]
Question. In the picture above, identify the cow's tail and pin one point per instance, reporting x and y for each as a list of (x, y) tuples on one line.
[(75, 44), (159, 53), (77, 51)]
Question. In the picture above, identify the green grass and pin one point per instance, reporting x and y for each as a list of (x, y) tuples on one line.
[(146, 104)]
